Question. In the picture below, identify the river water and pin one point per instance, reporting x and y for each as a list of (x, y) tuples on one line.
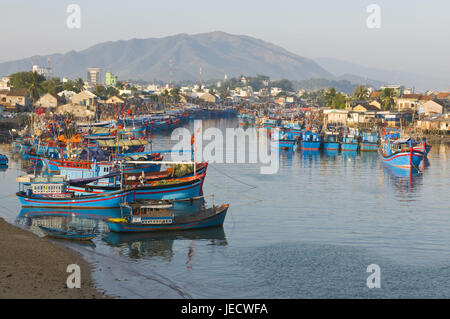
[(309, 231)]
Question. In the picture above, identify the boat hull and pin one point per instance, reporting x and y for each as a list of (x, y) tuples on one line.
[(310, 146), (211, 221), (349, 147), (402, 159), (98, 201), (331, 146), (178, 191), (369, 147)]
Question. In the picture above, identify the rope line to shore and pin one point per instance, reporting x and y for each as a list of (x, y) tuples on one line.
[(233, 178)]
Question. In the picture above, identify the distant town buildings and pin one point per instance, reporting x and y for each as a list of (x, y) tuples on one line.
[(93, 76), (4, 84), (398, 89), (50, 101), (84, 98), (44, 71), (110, 79), (13, 98)]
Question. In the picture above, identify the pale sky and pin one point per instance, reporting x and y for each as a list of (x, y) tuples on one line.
[(414, 35)]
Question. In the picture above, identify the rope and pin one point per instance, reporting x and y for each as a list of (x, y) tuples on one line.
[(236, 194), (233, 178)]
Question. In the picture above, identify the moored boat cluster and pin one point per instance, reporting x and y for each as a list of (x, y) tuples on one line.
[(308, 133), (106, 165)]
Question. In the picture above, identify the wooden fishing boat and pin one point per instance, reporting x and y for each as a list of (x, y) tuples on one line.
[(310, 141), (176, 188), (331, 141), (349, 143), (67, 234), (153, 217), (400, 153), (284, 140), (52, 191), (369, 141)]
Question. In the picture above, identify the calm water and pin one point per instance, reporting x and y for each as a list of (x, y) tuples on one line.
[(309, 231)]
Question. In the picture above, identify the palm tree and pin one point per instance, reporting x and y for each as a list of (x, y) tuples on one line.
[(361, 93), (79, 84), (35, 87), (330, 95), (387, 98)]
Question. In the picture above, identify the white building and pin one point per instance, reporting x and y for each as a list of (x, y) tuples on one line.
[(45, 71), (93, 76), (67, 95), (4, 84)]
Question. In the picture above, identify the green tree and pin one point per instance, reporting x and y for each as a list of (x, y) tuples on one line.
[(283, 84), (79, 85), (100, 91), (119, 85), (330, 94), (23, 80), (69, 85), (52, 86), (165, 96), (111, 91), (361, 93), (175, 93), (35, 86), (387, 99)]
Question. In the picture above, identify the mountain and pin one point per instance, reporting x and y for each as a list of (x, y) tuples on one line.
[(352, 71), (217, 53)]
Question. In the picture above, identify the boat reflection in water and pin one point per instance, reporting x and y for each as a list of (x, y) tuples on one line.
[(331, 153), (405, 180), (160, 244), (70, 219)]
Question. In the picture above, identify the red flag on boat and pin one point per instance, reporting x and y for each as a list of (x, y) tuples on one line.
[(192, 139)]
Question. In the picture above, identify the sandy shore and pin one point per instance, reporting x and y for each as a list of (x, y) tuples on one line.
[(33, 267)]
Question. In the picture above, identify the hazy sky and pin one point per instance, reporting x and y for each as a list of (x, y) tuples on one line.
[(414, 35)]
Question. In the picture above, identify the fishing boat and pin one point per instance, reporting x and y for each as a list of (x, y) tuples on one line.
[(349, 143), (3, 159), (67, 234), (421, 145), (293, 127), (52, 191), (400, 153), (311, 141), (331, 141), (369, 141), (284, 140), (176, 188), (151, 216), (87, 169)]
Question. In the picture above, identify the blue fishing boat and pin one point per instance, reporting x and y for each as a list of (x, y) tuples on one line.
[(331, 141), (151, 217), (310, 141), (421, 145), (369, 141), (68, 234), (89, 169), (284, 140), (349, 143), (400, 153), (293, 128), (177, 188), (3, 159), (52, 191)]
